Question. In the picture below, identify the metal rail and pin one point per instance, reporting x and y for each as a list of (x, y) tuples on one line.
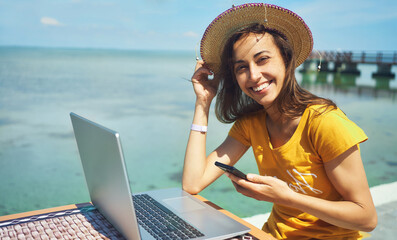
[(356, 57)]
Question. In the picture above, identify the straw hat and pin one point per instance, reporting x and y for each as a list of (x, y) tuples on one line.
[(273, 17)]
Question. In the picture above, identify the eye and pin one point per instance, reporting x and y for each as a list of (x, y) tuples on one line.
[(262, 60), (239, 68)]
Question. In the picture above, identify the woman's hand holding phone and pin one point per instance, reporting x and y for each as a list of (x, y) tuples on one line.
[(263, 188)]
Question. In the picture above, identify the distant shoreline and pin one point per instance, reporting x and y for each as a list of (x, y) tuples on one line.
[(104, 49)]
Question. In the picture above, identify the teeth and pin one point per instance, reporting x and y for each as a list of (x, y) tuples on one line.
[(261, 87)]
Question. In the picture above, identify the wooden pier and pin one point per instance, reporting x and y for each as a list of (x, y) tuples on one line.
[(347, 61)]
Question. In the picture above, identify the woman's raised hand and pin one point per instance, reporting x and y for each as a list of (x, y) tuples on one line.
[(204, 88)]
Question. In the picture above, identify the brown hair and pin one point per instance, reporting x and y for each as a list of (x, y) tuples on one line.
[(292, 101)]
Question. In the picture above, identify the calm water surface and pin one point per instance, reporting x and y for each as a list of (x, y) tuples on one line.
[(145, 96)]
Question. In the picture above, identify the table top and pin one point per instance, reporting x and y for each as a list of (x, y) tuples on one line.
[(259, 234)]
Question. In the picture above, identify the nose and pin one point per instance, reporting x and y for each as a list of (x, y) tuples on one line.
[(255, 73)]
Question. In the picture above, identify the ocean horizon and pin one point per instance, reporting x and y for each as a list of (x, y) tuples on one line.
[(146, 97)]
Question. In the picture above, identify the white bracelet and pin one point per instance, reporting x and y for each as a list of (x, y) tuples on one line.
[(199, 128)]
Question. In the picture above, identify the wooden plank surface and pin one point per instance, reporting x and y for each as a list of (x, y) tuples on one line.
[(254, 230)]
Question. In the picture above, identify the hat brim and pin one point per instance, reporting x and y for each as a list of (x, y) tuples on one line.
[(273, 17)]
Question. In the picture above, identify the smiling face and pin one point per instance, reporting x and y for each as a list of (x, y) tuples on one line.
[(259, 67)]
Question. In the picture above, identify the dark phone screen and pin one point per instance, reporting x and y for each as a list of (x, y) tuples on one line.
[(231, 170)]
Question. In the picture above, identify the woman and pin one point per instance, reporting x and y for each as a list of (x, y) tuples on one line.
[(305, 147)]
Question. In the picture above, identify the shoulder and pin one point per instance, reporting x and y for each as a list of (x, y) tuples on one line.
[(323, 110), (331, 121), (322, 114), (332, 132)]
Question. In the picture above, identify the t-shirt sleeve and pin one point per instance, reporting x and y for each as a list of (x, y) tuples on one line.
[(334, 133), (240, 131)]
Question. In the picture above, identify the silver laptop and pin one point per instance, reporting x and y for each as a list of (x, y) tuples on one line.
[(108, 184)]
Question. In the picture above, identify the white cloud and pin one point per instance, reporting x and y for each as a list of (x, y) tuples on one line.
[(50, 21), (190, 34)]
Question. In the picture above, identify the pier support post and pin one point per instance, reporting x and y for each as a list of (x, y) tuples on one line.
[(348, 80), (337, 66), (382, 86), (384, 70), (344, 81), (382, 82), (350, 68), (324, 66)]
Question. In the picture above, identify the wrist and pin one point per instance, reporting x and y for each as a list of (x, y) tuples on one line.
[(203, 104), (201, 113), (199, 128), (290, 198)]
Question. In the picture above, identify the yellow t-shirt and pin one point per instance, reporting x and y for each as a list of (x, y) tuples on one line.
[(299, 162)]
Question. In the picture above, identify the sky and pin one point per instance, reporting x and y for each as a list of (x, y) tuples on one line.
[(357, 25)]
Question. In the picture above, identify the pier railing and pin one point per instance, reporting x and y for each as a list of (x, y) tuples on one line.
[(375, 57), (347, 61)]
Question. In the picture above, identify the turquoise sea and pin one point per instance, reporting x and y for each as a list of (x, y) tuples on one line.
[(146, 97)]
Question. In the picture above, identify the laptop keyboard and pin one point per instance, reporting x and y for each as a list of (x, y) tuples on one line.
[(88, 223), (84, 225), (160, 222)]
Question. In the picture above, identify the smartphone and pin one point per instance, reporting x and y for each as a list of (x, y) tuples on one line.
[(231, 170)]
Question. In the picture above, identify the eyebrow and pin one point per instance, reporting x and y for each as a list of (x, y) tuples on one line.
[(255, 56)]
